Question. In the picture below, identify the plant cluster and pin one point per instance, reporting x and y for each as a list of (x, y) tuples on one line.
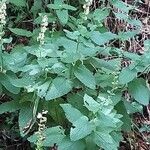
[(64, 57)]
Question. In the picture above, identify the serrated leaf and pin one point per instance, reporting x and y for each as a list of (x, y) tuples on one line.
[(100, 63), (21, 3), (36, 6), (82, 128), (67, 144), (22, 82), (121, 16), (62, 16), (130, 55), (127, 75), (76, 100), (133, 107), (25, 117), (125, 117), (87, 50), (59, 87), (55, 111), (102, 38), (69, 45), (90, 145), (139, 91), (68, 7), (85, 76), (42, 89), (11, 106), (21, 32), (104, 140), (109, 121), (91, 104), (69, 57), (122, 6), (53, 135), (54, 6), (127, 35), (15, 60), (4, 79), (100, 14), (62, 6), (147, 45), (71, 113), (1, 90)]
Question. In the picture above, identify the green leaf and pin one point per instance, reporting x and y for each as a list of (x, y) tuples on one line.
[(82, 128), (36, 6), (87, 50), (104, 140), (59, 87), (135, 22), (122, 6), (62, 16), (21, 3), (120, 107), (32, 69), (85, 76), (67, 144), (100, 14), (133, 107), (71, 113), (147, 45), (11, 106), (100, 63), (121, 16), (15, 60), (42, 51), (52, 135), (108, 121), (47, 62), (139, 91), (91, 104), (69, 45), (25, 117), (21, 32), (5, 81), (90, 145), (102, 38), (54, 6), (133, 56), (76, 100), (55, 111), (1, 90), (127, 35), (62, 6), (68, 7), (22, 82), (127, 75), (42, 89), (69, 57)]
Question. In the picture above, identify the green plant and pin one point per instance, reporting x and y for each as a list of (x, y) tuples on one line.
[(75, 73)]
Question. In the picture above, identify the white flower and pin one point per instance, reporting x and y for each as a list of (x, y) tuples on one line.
[(39, 116), (44, 25), (86, 7), (44, 112), (3, 12), (2, 17)]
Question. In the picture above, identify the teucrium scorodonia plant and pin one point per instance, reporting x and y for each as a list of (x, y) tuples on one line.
[(66, 70)]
